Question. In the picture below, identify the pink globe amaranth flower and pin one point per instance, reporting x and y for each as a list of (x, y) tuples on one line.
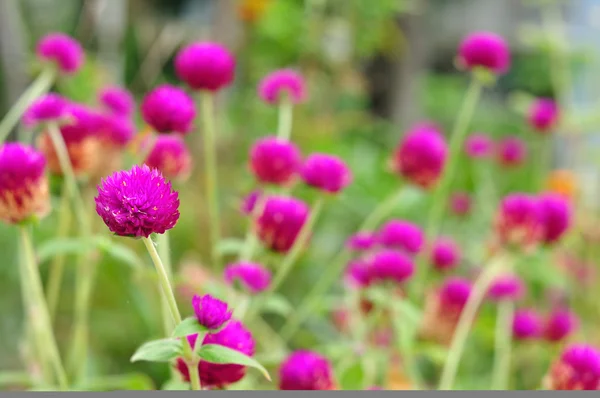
[(117, 131), (511, 152), (527, 325), (235, 336), (23, 183), (205, 66), (402, 235), (479, 146), (460, 203), (485, 49), (519, 220), (171, 157), (359, 274), (421, 156), (454, 293), (578, 368), (556, 216), (47, 108), (391, 265), (361, 241), (117, 100), (275, 161), (326, 172), (281, 221), (283, 82), (62, 50), (445, 255), (211, 312), (560, 324), (306, 370), (137, 202), (253, 277), (169, 109), (506, 287), (249, 202), (543, 115)]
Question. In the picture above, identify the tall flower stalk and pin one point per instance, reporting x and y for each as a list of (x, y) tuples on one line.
[(503, 339)]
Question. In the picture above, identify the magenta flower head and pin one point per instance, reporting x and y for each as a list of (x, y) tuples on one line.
[(506, 287), (62, 50), (454, 294), (486, 50), (391, 265), (421, 156), (326, 172), (543, 115), (137, 202), (281, 221), (478, 146), (402, 235), (519, 220), (205, 66), (361, 241), (211, 312), (556, 216), (527, 325), (560, 324), (47, 108), (118, 131), (445, 255), (284, 82), (306, 370), (460, 203), (249, 202), (359, 274), (511, 152), (171, 157), (255, 278), (169, 109), (275, 161), (578, 368), (235, 336), (117, 100), (23, 183)]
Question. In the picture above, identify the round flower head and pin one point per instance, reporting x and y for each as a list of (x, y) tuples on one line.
[(527, 325), (392, 265), (280, 83), (306, 370), (511, 151), (64, 51), (281, 221), (23, 184), (519, 220), (543, 115), (421, 156), (556, 216), (249, 202), (117, 101), (205, 66), (578, 368), (445, 255), (137, 202), (211, 313), (169, 109), (402, 235), (460, 203), (118, 131), (235, 336), (362, 241), (274, 161), (560, 324), (171, 157), (253, 277), (506, 287), (359, 274), (326, 172), (484, 49), (479, 146), (47, 108), (454, 293)]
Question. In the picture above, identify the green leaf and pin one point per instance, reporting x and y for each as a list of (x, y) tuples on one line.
[(164, 350), (121, 252), (219, 354), (277, 304), (188, 326), (230, 246), (55, 247), (352, 377)]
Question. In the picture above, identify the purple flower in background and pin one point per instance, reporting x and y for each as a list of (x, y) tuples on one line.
[(281, 221), (211, 312), (507, 287), (275, 161), (527, 325), (543, 115), (560, 324), (117, 100), (47, 108), (118, 131), (253, 277), (205, 66), (556, 216), (519, 220), (62, 50), (578, 368), (460, 203), (137, 202), (485, 49), (391, 265), (169, 109), (445, 254), (282, 82), (359, 273), (306, 370), (454, 293), (171, 157), (511, 152), (402, 235), (326, 172), (478, 146), (362, 241)]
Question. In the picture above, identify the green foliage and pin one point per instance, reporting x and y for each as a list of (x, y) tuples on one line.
[(188, 327), (164, 350), (219, 354)]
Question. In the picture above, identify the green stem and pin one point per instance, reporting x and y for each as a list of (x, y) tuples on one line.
[(467, 317), (164, 251), (332, 272), (210, 164), (503, 339), (39, 308), (285, 115), (38, 87), (251, 240), (405, 338)]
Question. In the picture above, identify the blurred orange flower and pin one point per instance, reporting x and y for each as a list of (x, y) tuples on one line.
[(252, 10), (563, 182)]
